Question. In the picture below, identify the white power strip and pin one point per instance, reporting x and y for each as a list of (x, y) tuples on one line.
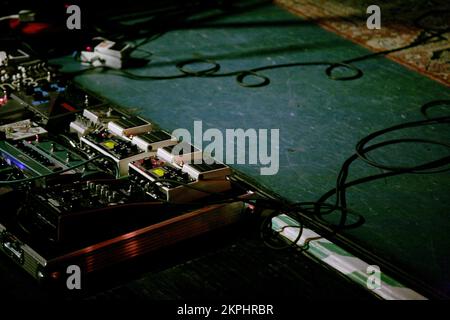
[(107, 53)]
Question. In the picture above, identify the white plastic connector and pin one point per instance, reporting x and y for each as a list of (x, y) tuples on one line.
[(108, 54), (3, 58), (113, 49)]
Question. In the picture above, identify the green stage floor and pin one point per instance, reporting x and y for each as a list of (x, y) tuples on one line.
[(320, 121)]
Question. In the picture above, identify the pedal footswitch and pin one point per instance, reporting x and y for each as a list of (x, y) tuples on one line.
[(129, 126), (153, 140), (180, 153)]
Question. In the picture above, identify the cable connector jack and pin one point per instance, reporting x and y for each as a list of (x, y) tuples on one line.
[(27, 16), (23, 16)]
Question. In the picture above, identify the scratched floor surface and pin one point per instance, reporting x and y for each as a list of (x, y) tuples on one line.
[(319, 119)]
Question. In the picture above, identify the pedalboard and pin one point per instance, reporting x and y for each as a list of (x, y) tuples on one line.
[(87, 182)]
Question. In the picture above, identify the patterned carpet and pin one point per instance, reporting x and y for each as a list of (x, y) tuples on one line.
[(425, 23)]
